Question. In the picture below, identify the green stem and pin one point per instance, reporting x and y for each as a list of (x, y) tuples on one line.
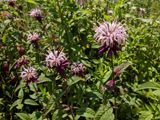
[(115, 106)]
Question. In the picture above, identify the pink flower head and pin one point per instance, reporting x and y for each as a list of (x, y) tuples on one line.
[(111, 36), (37, 14), (33, 37), (78, 68), (21, 61), (58, 60), (80, 2), (29, 75), (111, 83)]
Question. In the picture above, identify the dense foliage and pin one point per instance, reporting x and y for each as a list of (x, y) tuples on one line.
[(79, 59)]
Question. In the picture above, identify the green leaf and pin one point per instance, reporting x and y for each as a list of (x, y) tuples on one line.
[(149, 85), (33, 87), (107, 76), (31, 1), (87, 112), (108, 115), (74, 80), (157, 93), (146, 115), (30, 102), (92, 93), (105, 112), (36, 116), (20, 93), (1, 101), (4, 38), (21, 85), (86, 63), (33, 96), (20, 106), (19, 101), (50, 108), (54, 115), (23, 116), (100, 112), (42, 78)]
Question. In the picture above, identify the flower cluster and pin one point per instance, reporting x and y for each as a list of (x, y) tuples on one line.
[(111, 37), (37, 14), (21, 61), (78, 68), (33, 37), (58, 60), (111, 83), (29, 75)]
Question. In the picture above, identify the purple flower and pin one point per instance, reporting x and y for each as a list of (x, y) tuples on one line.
[(29, 75), (111, 37), (33, 37), (21, 61), (78, 68), (80, 2), (37, 14), (111, 83), (58, 60)]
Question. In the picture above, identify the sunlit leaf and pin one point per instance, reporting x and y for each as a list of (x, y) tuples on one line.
[(149, 85), (30, 102), (23, 116), (107, 76)]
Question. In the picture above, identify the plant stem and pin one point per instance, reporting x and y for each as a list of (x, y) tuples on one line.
[(115, 107)]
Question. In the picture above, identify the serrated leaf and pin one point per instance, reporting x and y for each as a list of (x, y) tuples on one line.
[(30, 102), (23, 116)]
